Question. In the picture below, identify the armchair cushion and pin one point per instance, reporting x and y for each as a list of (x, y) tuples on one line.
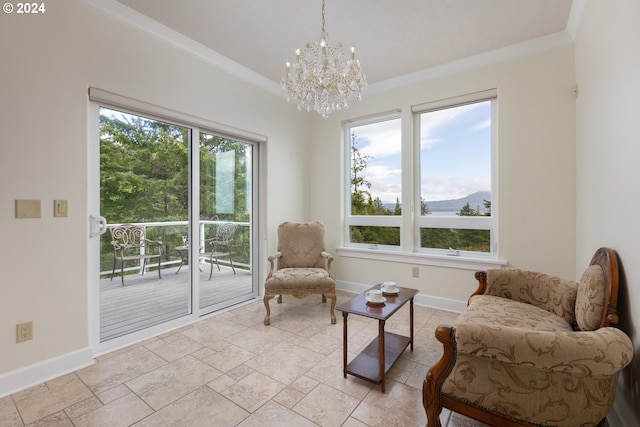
[(307, 278)]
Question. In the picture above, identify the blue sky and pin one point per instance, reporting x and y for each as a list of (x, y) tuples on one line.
[(455, 153)]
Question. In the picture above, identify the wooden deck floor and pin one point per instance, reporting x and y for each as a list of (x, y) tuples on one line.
[(146, 301)]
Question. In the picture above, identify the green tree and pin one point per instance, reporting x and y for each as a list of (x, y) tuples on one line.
[(360, 194)]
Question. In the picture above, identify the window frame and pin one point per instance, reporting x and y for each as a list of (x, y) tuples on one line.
[(351, 220), (473, 223), (410, 252)]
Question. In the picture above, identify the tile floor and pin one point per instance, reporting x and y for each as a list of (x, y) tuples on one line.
[(231, 370)]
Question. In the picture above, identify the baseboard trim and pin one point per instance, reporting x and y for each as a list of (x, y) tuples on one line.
[(29, 376)]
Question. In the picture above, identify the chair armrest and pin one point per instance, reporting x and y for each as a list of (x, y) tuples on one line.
[(601, 352), (272, 261), (329, 259)]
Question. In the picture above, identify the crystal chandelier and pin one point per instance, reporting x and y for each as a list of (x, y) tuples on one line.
[(320, 80)]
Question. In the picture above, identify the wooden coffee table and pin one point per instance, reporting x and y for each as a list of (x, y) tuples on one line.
[(378, 357)]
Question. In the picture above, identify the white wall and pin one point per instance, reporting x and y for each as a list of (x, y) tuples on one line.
[(607, 152), (536, 173), (47, 64)]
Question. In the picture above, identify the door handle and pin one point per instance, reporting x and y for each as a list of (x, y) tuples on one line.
[(97, 225)]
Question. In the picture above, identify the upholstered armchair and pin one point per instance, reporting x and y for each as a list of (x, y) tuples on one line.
[(533, 349), (300, 267)]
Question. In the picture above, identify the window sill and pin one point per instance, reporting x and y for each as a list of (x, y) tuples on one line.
[(461, 262)]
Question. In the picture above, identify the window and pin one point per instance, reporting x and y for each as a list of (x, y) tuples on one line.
[(375, 174), (451, 205), (455, 141)]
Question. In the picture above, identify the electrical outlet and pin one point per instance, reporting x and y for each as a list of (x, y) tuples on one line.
[(415, 271), (24, 332)]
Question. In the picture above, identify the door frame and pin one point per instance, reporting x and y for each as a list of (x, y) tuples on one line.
[(100, 98)]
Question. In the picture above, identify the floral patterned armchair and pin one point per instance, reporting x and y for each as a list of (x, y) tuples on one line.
[(301, 266), (533, 350)]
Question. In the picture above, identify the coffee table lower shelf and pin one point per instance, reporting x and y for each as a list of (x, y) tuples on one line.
[(366, 365)]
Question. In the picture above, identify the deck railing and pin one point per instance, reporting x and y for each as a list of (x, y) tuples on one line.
[(171, 238)]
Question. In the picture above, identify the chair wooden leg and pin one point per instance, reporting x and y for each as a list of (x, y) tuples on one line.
[(267, 318), (333, 306)]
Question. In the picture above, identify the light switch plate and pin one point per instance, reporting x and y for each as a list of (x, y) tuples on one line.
[(28, 209), (60, 208)]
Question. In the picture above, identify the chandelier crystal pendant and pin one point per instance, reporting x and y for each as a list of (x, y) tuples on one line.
[(320, 80)]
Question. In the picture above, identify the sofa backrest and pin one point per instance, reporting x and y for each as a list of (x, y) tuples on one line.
[(597, 296)]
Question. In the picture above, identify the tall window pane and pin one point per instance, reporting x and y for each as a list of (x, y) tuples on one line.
[(375, 186), (455, 177)]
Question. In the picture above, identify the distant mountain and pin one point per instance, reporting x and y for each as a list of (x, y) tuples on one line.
[(475, 200)]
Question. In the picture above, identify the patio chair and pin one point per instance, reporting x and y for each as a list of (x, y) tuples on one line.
[(221, 245), (301, 266), (130, 244)]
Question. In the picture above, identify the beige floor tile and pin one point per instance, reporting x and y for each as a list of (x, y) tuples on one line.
[(114, 393), (322, 343), (35, 405), (253, 391), (174, 347), (330, 372), (399, 406), (457, 420), (9, 415), (119, 369), (273, 414), (226, 356), (285, 362), (164, 385), (119, 413), (59, 419), (259, 338), (326, 406), (211, 330), (199, 408), (352, 422), (231, 370), (288, 397), (83, 407)]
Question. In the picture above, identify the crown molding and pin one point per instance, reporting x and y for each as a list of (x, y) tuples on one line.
[(576, 17), (133, 19), (514, 51)]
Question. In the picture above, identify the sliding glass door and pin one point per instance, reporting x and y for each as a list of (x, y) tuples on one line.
[(187, 193), (225, 227)]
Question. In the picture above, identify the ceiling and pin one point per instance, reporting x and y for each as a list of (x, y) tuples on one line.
[(392, 37)]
